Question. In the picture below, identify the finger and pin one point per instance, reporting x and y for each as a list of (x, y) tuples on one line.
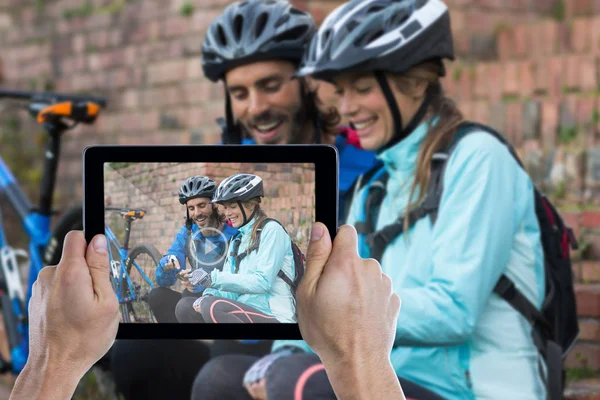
[(345, 245), (74, 246), (97, 261), (316, 256)]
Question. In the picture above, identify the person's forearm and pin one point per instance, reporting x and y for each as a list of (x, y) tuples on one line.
[(364, 379), (43, 380)]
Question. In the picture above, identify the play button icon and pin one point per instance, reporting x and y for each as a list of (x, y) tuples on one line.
[(208, 247)]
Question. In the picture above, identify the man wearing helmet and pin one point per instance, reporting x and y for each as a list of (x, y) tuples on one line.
[(202, 241), (253, 279), (255, 47)]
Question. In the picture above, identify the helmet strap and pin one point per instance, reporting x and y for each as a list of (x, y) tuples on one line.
[(246, 220), (399, 133), (234, 133), (188, 220)]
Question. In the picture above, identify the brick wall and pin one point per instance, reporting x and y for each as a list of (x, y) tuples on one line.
[(527, 67), (289, 197)]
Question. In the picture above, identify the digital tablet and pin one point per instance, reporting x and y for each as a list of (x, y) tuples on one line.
[(208, 242)]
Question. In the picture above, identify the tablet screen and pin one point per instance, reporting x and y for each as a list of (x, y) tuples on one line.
[(189, 258)]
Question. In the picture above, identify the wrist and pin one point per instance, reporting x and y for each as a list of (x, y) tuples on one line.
[(363, 377), (40, 376)]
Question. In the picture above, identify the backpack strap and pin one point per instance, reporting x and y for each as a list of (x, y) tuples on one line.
[(239, 257), (379, 240)]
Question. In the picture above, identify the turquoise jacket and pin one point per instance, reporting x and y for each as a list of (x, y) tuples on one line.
[(455, 336), (256, 282)]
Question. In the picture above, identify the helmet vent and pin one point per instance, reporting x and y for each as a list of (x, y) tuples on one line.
[(221, 36), (291, 34), (238, 24), (368, 38), (374, 9), (284, 18), (261, 23)]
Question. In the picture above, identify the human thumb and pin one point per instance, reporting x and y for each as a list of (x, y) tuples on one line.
[(97, 261), (317, 255)]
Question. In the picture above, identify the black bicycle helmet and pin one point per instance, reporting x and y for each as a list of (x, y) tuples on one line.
[(239, 187), (197, 186), (255, 30), (379, 35)]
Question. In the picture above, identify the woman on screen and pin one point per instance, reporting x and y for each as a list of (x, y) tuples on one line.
[(258, 277)]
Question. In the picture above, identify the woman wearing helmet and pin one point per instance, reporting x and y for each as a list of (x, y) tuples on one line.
[(251, 280), (455, 335), (203, 229)]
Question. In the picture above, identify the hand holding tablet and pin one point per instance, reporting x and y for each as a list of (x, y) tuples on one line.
[(234, 223)]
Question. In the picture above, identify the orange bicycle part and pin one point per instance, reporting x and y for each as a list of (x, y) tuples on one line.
[(85, 112)]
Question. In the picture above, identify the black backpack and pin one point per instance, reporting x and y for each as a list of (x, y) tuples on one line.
[(299, 259), (555, 328)]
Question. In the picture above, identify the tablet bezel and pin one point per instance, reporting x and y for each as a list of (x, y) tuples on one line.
[(325, 159)]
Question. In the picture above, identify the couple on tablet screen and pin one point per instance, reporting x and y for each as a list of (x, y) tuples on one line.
[(232, 279)]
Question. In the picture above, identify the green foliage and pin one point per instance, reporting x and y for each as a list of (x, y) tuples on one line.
[(40, 6), (458, 71), (558, 11), (120, 165), (568, 135), (595, 119), (579, 373), (87, 9), (560, 191), (187, 9), (22, 152)]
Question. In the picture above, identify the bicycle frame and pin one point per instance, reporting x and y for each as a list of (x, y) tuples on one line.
[(36, 221), (119, 271), (37, 226)]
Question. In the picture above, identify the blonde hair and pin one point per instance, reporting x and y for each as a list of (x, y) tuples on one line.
[(438, 136)]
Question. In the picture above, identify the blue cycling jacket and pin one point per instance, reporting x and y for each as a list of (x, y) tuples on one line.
[(256, 283), (208, 260), (455, 336)]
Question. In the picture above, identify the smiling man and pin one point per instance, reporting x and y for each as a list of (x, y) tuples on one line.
[(203, 241)]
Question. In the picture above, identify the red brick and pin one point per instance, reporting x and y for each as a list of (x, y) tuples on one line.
[(175, 26), (590, 271), (526, 79), (556, 75), (521, 40), (517, 121), (511, 78), (547, 32), (505, 44), (584, 355), (169, 71), (573, 65), (588, 300), (589, 330), (495, 82), (580, 35), (591, 219), (564, 38), (588, 74), (540, 71), (481, 80)]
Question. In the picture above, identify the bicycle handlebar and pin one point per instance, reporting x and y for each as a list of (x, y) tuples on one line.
[(50, 97)]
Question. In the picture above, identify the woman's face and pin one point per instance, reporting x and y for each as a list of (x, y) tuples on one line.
[(362, 102), (233, 212)]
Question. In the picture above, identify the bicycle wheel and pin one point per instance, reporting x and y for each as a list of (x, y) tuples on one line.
[(146, 257), (72, 220)]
